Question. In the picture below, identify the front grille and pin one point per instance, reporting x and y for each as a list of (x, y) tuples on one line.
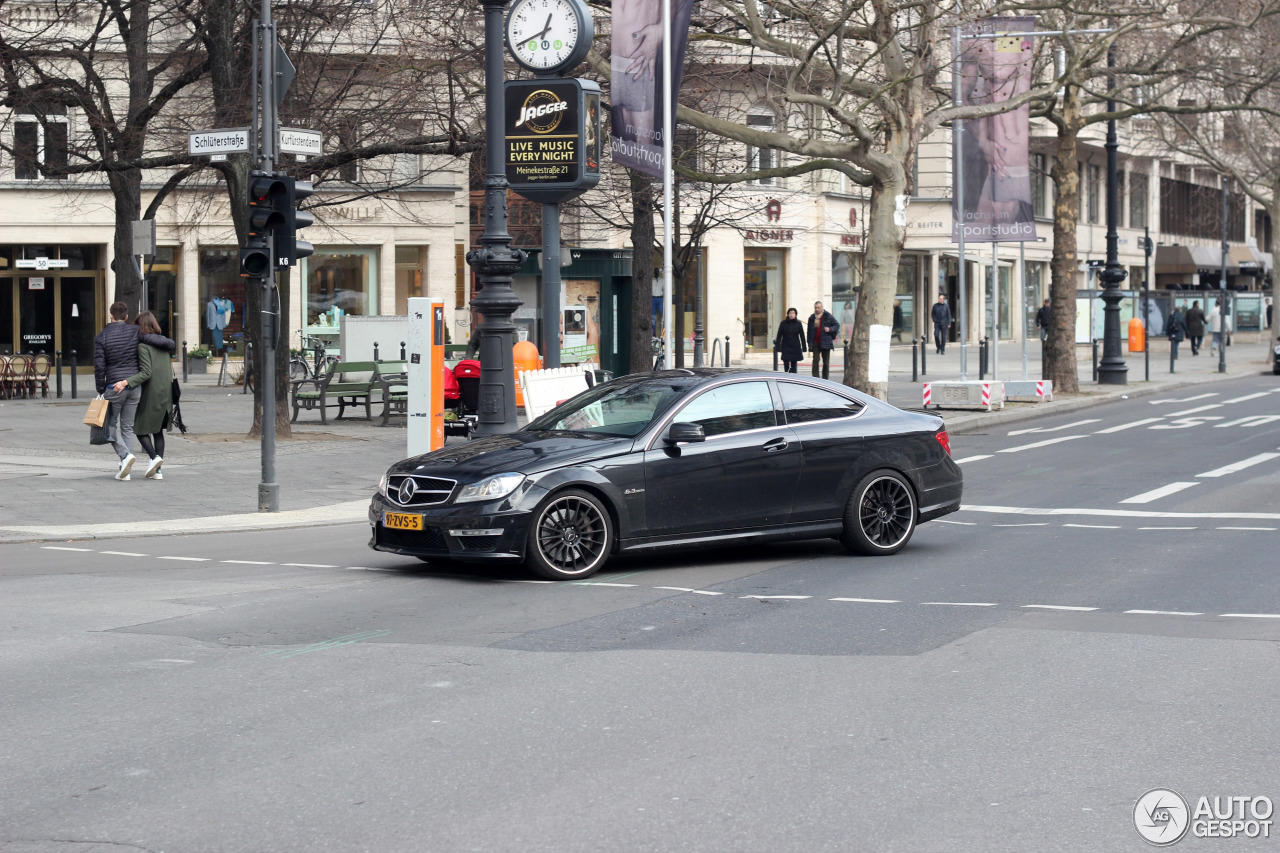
[(479, 543), (427, 539), (426, 491)]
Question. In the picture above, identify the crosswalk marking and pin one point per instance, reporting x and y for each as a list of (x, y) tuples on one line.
[(1156, 494)]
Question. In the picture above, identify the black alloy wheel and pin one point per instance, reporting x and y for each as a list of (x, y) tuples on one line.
[(880, 516), (571, 536)]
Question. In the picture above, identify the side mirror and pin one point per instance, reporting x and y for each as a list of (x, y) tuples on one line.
[(684, 433)]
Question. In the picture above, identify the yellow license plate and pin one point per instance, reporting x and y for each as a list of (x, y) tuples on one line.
[(401, 521)]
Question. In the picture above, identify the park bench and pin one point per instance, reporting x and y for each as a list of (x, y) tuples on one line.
[(392, 378), (347, 383)]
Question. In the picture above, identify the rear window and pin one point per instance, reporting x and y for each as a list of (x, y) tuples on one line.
[(805, 404)]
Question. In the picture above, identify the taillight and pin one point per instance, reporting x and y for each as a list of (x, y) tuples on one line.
[(944, 440)]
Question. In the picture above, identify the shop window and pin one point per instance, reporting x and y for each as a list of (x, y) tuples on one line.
[(846, 281), (340, 283), (411, 262), (763, 290), (222, 300)]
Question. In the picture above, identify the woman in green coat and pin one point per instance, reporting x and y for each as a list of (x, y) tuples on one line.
[(155, 375)]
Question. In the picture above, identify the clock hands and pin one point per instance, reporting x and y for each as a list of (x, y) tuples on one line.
[(545, 30)]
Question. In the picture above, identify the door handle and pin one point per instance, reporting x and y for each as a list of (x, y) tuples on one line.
[(774, 445)]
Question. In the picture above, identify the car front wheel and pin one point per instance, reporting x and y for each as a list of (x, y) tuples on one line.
[(571, 536), (880, 515)]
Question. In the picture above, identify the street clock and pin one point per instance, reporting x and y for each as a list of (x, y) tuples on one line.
[(549, 37)]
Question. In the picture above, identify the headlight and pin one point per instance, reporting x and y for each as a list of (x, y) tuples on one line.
[(490, 488), (382, 484)]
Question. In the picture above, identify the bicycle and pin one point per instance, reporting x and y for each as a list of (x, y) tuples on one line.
[(659, 352), (299, 368)]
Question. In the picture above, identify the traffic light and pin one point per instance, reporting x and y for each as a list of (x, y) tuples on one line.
[(288, 247), (267, 195), (254, 260)]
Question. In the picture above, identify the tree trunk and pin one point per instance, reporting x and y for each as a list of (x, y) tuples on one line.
[(642, 239), (879, 281), (1273, 210), (126, 189), (1060, 344)]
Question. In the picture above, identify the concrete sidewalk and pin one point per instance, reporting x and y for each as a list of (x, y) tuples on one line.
[(55, 486)]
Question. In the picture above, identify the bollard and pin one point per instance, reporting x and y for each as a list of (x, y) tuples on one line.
[(57, 365), (915, 358), (1095, 359), (726, 350), (1171, 356), (73, 374), (923, 359), (248, 366), (775, 359), (402, 358), (184, 362), (982, 359), (376, 358)]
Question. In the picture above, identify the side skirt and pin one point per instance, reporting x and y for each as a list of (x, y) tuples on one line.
[(821, 530)]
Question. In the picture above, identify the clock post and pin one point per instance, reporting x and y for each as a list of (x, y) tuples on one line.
[(495, 261)]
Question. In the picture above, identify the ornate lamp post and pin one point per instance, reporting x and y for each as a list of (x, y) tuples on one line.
[(495, 261), (1112, 370)]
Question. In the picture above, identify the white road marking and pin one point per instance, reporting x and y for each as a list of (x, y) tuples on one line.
[(186, 559), (964, 603), (122, 553), (1185, 399), (1251, 421), (1120, 513), (779, 597), (1156, 494), (309, 565), (868, 600), (1188, 423), (1129, 425), (962, 523), (1044, 443), (1168, 528), (1246, 528), (524, 581), (62, 548), (1241, 465), (1055, 429), (1164, 613), (1058, 607), (972, 458), (1024, 524), (1250, 615), (687, 589), (1246, 397), (247, 562), (1095, 526), (602, 583), (1196, 410)]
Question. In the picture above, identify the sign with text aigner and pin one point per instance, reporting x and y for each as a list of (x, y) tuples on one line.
[(552, 138)]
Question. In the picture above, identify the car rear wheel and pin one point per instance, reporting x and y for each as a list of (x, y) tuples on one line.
[(571, 536), (880, 515)]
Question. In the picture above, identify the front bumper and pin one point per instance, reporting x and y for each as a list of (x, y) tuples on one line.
[(436, 540)]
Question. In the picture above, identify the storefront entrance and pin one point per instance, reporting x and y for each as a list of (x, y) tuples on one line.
[(48, 313), (763, 288)]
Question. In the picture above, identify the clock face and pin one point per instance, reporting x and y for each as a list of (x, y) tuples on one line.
[(544, 35)]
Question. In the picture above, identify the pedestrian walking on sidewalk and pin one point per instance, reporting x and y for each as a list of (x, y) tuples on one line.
[(1195, 326), (941, 315), (115, 357), (1176, 329), (790, 341), (1042, 320), (154, 380), (823, 329), (1219, 326)]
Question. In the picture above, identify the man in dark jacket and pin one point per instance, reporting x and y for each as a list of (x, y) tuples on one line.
[(823, 329), (115, 357), (941, 316), (1042, 320), (1194, 321)]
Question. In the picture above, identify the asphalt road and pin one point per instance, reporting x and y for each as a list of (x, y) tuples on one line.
[(1102, 619)]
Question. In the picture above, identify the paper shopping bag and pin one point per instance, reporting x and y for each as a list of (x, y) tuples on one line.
[(97, 414)]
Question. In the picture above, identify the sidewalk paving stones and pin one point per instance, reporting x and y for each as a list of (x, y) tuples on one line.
[(55, 486)]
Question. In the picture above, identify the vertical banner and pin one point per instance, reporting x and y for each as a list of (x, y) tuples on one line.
[(996, 207), (637, 79)]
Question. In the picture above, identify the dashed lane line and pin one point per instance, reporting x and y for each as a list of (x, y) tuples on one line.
[(777, 597), (123, 553), (1168, 528), (1044, 443), (960, 523), (1250, 615), (1120, 513), (1236, 467), (1163, 613), (1129, 425), (186, 559), (64, 548), (1185, 399), (1156, 494), (308, 565), (1085, 422), (1095, 526), (248, 562), (1196, 410), (687, 589), (869, 600), (962, 603), (973, 458), (1245, 528), (1058, 607)]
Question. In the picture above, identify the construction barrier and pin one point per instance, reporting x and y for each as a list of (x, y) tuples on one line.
[(985, 394), (1028, 390)]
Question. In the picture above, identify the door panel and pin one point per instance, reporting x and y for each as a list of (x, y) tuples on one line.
[(35, 315), (77, 318)]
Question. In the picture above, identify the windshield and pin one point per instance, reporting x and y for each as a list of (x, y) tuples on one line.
[(613, 409)]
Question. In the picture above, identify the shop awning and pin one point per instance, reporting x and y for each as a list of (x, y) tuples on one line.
[(1189, 260), (1268, 260), (1250, 260)]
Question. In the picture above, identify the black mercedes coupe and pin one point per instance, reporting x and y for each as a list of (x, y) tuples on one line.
[(674, 458)]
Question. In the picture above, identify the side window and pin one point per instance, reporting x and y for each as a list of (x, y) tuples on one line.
[(731, 408), (804, 403)]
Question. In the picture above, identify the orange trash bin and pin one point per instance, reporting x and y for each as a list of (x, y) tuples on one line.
[(524, 356), (1137, 336)]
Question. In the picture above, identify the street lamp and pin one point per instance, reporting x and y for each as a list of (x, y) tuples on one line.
[(1112, 370), (495, 261)]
